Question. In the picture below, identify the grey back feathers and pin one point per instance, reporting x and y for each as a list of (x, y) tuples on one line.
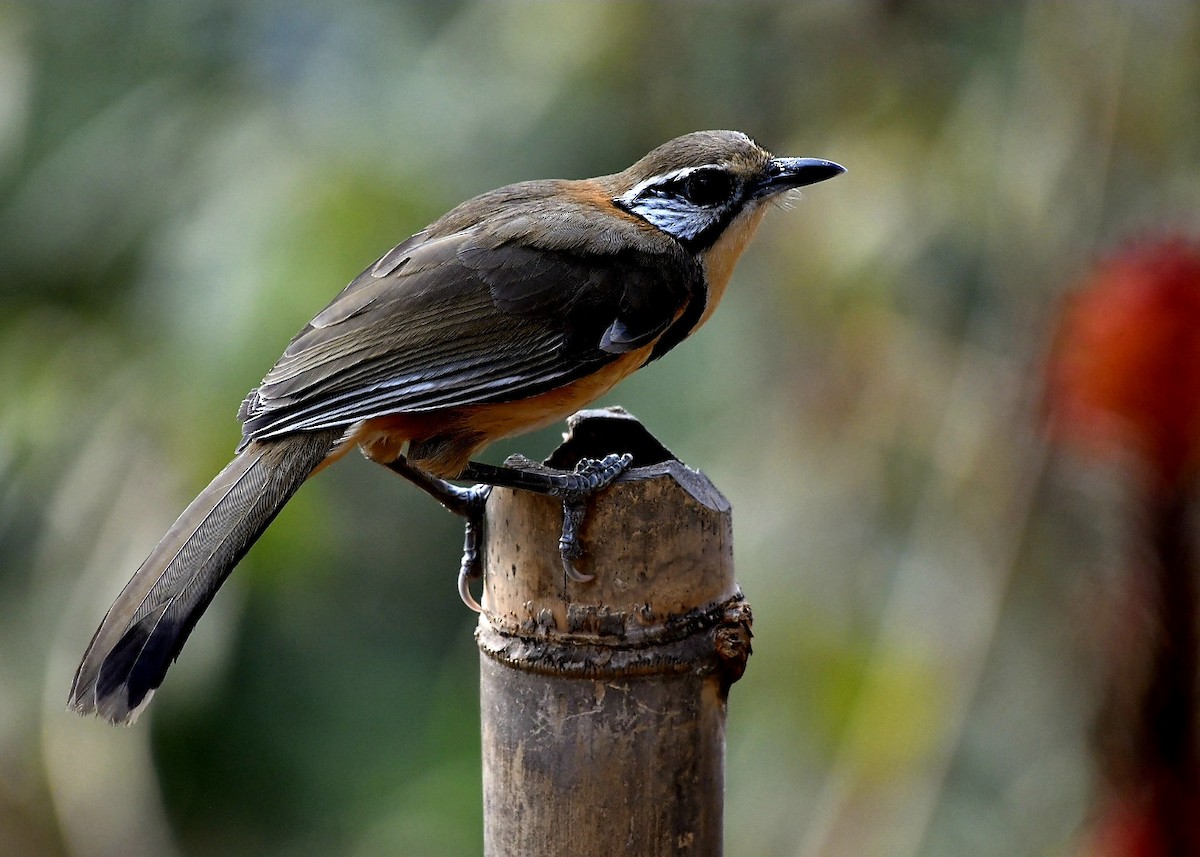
[(147, 625), (519, 295)]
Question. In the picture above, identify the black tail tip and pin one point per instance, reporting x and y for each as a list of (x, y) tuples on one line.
[(115, 708)]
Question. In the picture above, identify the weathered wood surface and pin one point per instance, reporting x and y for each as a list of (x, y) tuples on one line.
[(603, 703)]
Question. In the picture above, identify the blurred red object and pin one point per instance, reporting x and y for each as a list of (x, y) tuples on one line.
[(1125, 370), (1124, 374), (1128, 829)]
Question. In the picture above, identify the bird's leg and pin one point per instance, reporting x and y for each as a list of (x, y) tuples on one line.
[(574, 488), (468, 502), (590, 476)]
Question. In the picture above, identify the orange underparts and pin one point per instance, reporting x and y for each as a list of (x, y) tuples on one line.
[(441, 442)]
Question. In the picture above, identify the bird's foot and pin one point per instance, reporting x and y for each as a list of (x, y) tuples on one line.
[(468, 502), (590, 476), (472, 564)]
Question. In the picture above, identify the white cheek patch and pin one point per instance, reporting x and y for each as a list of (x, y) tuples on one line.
[(675, 216)]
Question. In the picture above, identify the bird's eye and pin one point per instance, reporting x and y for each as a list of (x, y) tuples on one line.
[(708, 187)]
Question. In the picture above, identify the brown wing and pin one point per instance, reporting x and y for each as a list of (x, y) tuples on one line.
[(495, 311)]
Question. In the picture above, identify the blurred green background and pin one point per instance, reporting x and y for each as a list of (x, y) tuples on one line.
[(183, 184)]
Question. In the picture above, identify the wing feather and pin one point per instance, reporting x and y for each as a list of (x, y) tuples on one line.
[(469, 313)]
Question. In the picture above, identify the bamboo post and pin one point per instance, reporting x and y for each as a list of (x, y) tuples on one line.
[(603, 703)]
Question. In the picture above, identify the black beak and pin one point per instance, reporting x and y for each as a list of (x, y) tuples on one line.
[(787, 173)]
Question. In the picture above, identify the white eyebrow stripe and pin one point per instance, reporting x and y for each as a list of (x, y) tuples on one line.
[(663, 178)]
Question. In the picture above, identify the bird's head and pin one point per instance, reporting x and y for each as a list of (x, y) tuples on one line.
[(695, 186)]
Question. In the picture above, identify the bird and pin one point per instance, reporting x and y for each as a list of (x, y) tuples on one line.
[(508, 313)]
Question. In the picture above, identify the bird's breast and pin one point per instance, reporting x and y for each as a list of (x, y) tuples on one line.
[(720, 259)]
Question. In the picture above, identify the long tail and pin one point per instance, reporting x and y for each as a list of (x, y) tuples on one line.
[(143, 631)]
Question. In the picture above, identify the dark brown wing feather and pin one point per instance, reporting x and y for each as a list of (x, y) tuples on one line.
[(508, 306)]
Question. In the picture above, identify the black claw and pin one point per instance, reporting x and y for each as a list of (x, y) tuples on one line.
[(472, 564), (569, 546)]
